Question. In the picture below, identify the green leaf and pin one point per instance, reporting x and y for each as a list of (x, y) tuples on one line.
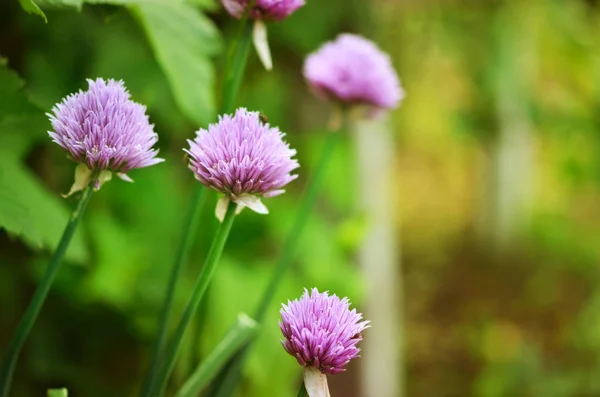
[(236, 337), (167, 3), (205, 4), (58, 393), (62, 3), (12, 100), (27, 209), (32, 8), (40, 217), (183, 40), (14, 216), (20, 133)]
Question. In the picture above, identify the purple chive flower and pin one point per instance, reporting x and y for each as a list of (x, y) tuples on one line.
[(104, 129), (272, 10), (354, 71), (243, 158), (321, 331)]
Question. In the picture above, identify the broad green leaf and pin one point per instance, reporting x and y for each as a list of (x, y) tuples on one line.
[(134, 2), (32, 8), (14, 216), (27, 210), (204, 4), (183, 40), (61, 3), (19, 133), (12, 100), (36, 215)]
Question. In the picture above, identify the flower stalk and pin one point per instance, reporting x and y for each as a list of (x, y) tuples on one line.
[(229, 377), (189, 233), (238, 58), (243, 330), (37, 302), (159, 381), (235, 67), (302, 391)]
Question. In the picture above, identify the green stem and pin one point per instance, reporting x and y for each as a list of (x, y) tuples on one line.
[(159, 383), (190, 228), (240, 333), (229, 377), (233, 76), (293, 238), (302, 392), (238, 58), (35, 306)]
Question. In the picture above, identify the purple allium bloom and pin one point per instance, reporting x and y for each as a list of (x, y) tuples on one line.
[(243, 158), (272, 10), (321, 331), (104, 129), (354, 71)]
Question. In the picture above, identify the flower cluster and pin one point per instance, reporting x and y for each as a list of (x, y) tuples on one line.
[(353, 71), (321, 331), (104, 129), (243, 158), (272, 10)]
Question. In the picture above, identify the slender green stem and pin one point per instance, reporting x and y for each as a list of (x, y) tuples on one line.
[(236, 64), (293, 238), (238, 59), (240, 333), (306, 206), (190, 228), (302, 391), (159, 383), (35, 306), (229, 377)]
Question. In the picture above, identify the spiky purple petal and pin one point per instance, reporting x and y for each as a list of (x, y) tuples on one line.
[(354, 71), (241, 155), (321, 331), (103, 128)]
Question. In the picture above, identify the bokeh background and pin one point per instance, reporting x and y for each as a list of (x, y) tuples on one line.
[(493, 178)]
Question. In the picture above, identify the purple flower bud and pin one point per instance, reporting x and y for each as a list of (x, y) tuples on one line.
[(273, 10), (104, 129), (354, 71), (321, 331), (243, 158)]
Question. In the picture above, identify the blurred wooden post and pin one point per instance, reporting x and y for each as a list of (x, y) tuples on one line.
[(379, 257), (510, 181)]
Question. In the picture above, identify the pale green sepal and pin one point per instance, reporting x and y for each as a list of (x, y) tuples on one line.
[(104, 177), (251, 201), (261, 43), (315, 383), (83, 177), (221, 209), (124, 177)]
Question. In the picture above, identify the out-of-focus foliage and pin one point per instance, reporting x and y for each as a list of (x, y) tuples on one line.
[(522, 323), (165, 54), (27, 209)]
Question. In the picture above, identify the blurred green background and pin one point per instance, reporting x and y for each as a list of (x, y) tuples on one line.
[(497, 169)]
